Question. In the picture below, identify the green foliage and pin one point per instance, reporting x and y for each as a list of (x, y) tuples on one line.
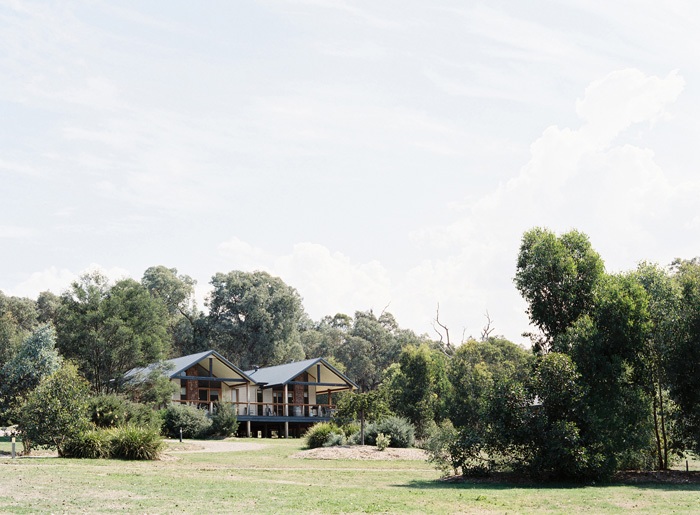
[(557, 277), (318, 434), (445, 449), (18, 318), (135, 443), (224, 421), (36, 358), (176, 292), (108, 330), (90, 444), (194, 422), (383, 441), (419, 390), (155, 390), (108, 410), (335, 439), (399, 430), (253, 319), (56, 410), (125, 442), (111, 410), (474, 370), (683, 364)]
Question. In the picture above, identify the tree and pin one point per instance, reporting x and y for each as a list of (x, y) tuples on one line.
[(608, 348), (253, 319), (419, 391), (366, 406), (18, 318), (557, 277), (474, 371), (663, 333), (108, 330), (177, 294), (370, 347), (683, 365), (37, 358), (55, 411)]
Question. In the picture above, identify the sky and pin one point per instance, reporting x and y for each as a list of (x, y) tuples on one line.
[(384, 155)]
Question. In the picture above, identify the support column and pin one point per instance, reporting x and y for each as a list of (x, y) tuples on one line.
[(247, 427), (286, 411)]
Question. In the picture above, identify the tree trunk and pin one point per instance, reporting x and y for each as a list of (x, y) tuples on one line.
[(663, 428), (362, 427), (656, 434)]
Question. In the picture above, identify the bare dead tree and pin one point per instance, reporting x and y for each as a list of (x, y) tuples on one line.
[(487, 330), (443, 333)]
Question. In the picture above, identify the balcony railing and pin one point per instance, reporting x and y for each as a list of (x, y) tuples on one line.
[(269, 409)]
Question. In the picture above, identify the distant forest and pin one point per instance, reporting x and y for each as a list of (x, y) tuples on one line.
[(612, 379)]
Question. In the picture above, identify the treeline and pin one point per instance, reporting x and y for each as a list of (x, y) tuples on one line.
[(612, 380), (253, 318)]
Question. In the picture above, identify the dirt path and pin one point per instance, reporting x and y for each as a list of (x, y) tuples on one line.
[(174, 446)]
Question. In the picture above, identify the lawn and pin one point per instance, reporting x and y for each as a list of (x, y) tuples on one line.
[(270, 481)]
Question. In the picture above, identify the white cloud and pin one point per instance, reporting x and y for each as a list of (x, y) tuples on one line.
[(576, 178), (58, 280), (15, 232), (329, 282)]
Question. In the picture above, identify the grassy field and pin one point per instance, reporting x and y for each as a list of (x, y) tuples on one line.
[(269, 481)]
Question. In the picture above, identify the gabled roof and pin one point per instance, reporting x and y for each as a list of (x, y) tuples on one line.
[(176, 367), (283, 374)]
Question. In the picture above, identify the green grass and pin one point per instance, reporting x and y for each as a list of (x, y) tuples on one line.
[(269, 481)]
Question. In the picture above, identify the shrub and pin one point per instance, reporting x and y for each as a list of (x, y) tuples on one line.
[(318, 434), (55, 411), (107, 410), (399, 429), (350, 429), (194, 422), (224, 421), (456, 452), (140, 415), (135, 443), (383, 441), (335, 439), (92, 444)]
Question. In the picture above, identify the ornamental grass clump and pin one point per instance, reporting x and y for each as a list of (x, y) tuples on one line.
[(319, 434), (383, 441), (135, 443)]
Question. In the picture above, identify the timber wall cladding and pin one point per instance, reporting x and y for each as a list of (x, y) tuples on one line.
[(192, 386)]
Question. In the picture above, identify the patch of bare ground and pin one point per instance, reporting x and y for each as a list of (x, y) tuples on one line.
[(361, 452), (174, 446)]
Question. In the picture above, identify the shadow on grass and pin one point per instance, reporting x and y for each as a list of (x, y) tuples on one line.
[(681, 482)]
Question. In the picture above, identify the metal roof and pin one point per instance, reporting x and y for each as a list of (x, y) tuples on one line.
[(176, 366), (281, 374)]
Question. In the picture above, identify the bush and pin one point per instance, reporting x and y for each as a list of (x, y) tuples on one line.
[(399, 429), (383, 441), (135, 443), (456, 452), (194, 422), (110, 410), (224, 421), (318, 434), (335, 439), (350, 429), (107, 410), (55, 412), (140, 415), (92, 444)]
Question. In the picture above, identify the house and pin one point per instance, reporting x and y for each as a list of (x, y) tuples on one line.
[(280, 400)]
